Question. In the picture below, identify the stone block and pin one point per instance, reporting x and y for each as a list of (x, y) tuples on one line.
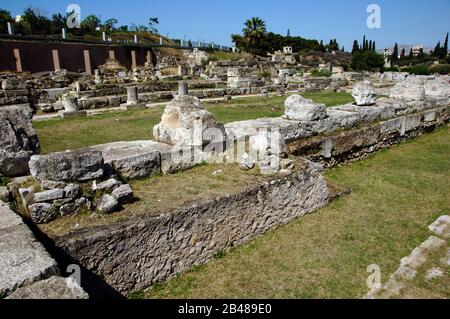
[(80, 165), (54, 288)]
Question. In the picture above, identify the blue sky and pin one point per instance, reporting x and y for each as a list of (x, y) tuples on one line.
[(403, 21)]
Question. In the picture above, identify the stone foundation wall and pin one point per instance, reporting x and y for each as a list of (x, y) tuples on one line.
[(355, 144), (133, 255)]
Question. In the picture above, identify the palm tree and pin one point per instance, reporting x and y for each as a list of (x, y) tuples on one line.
[(254, 30)]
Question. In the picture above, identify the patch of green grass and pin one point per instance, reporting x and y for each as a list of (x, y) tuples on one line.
[(4, 180), (396, 194), (58, 135)]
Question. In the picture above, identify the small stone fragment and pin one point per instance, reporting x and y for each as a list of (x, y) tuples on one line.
[(42, 213), (106, 204), (123, 194)]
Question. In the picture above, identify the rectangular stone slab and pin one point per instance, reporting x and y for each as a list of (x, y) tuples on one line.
[(23, 260)]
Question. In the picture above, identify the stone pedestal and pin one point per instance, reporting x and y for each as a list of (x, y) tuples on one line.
[(183, 88), (132, 95)]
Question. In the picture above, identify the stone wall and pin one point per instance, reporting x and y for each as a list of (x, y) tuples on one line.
[(357, 143), (135, 254)]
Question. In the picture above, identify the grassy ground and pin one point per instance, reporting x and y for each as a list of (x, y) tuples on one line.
[(60, 135), (396, 194)]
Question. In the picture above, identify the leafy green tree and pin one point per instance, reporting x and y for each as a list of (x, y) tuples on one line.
[(109, 24), (90, 23), (153, 23), (254, 31), (33, 22), (367, 61)]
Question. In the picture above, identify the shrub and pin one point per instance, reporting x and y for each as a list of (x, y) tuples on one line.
[(420, 69), (265, 75), (367, 61), (4, 181), (440, 69), (319, 73)]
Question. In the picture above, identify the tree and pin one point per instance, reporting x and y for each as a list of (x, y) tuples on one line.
[(445, 48), (109, 24), (367, 61), (90, 24), (364, 48), (355, 46), (5, 17), (254, 31), (402, 54), (437, 50), (33, 22), (411, 54), (123, 28), (374, 47), (288, 33), (322, 47), (394, 56), (57, 23), (153, 23)]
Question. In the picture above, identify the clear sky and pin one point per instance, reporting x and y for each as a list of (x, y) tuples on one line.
[(403, 21)]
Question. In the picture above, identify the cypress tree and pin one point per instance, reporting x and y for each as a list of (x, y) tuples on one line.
[(445, 48), (395, 53), (355, 46), (364, 48)]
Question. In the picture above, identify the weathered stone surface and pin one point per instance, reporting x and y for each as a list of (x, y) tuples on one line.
[(13, 84), (123, 194), (438, 87), (48, 196), (247, 162), (149, 257), (74, 208), (7, 217), (42, 213), (301, 109), (411, 89), (18, 140), (53, 288), (79, 165), (186, 123), (48, 185), (4, 194), (23, 260), (106, 204), (26, 196), (72, 191), (106, 186), (434, 274), (364, 93), (441, 227), (141, 159), (133, 160)]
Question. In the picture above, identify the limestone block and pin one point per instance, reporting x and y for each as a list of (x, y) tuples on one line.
[(301, 109), (53, 288), (79, 165)]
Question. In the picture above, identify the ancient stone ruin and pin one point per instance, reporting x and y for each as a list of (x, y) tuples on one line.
[(289, 153)]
